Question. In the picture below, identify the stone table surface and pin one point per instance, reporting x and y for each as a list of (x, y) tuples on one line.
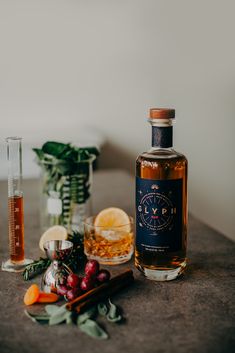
[(194, 313)]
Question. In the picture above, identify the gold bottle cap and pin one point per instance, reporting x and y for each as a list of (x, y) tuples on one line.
[(161, 113)]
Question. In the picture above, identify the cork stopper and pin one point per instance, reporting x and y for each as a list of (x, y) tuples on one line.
[(161, 113)]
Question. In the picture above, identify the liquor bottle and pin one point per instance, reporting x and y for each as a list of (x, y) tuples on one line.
[(161, 203)]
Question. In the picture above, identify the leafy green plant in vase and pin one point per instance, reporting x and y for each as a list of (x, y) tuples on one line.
[(66, 180)]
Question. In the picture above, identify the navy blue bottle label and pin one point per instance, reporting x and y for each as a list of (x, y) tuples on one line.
[(158, 215)]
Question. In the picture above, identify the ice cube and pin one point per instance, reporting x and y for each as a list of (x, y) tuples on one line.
[(111, 235)]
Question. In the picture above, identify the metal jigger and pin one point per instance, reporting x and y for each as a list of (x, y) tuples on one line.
[(57, 251)]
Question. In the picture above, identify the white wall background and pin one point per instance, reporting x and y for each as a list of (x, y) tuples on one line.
[(66, 64)]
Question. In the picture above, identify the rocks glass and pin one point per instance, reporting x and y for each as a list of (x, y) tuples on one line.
[(110, 246)]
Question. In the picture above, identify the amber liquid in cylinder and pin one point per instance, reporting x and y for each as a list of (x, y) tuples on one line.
[(164, 164), (16, 228)]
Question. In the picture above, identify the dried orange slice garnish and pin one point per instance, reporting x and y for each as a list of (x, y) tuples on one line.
[(112, 217), (53, 233), (32, 295)]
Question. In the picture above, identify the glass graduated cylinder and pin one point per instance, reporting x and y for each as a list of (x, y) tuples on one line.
[(16, 261)]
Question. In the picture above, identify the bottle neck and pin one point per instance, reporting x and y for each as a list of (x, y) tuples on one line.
[(162, 136)]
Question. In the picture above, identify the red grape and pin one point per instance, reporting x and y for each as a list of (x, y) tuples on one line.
[(62, 290), (103, 276), (87, 284), (73, 280), (92, 268), (72, 294)]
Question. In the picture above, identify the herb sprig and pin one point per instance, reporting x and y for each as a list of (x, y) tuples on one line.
[(35, 268), (74, 262), (86, 322)]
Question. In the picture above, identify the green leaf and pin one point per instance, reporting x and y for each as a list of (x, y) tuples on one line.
[(102, 309), (91, 328), (54, 148), (64, 168), (52, 309), (37, 318), (92, 150), (59, 316), (113, 315), (114, 319), (112, 309), (39, 153), (87, 315), (69, 319)]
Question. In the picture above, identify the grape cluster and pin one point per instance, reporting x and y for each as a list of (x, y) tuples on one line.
[(76, 285)]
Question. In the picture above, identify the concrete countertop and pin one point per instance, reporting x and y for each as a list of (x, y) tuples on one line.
[(193, 314)]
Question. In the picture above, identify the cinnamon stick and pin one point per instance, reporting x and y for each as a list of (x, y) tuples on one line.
[(102, 296), (102, 292)]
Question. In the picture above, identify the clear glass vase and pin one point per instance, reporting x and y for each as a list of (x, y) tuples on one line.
[(66, 193)]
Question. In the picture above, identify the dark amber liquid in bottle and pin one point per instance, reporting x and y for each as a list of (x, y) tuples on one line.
[(16, 228), (164, 164)]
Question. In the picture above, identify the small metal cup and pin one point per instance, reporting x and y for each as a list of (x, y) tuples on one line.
[(57, 251)]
